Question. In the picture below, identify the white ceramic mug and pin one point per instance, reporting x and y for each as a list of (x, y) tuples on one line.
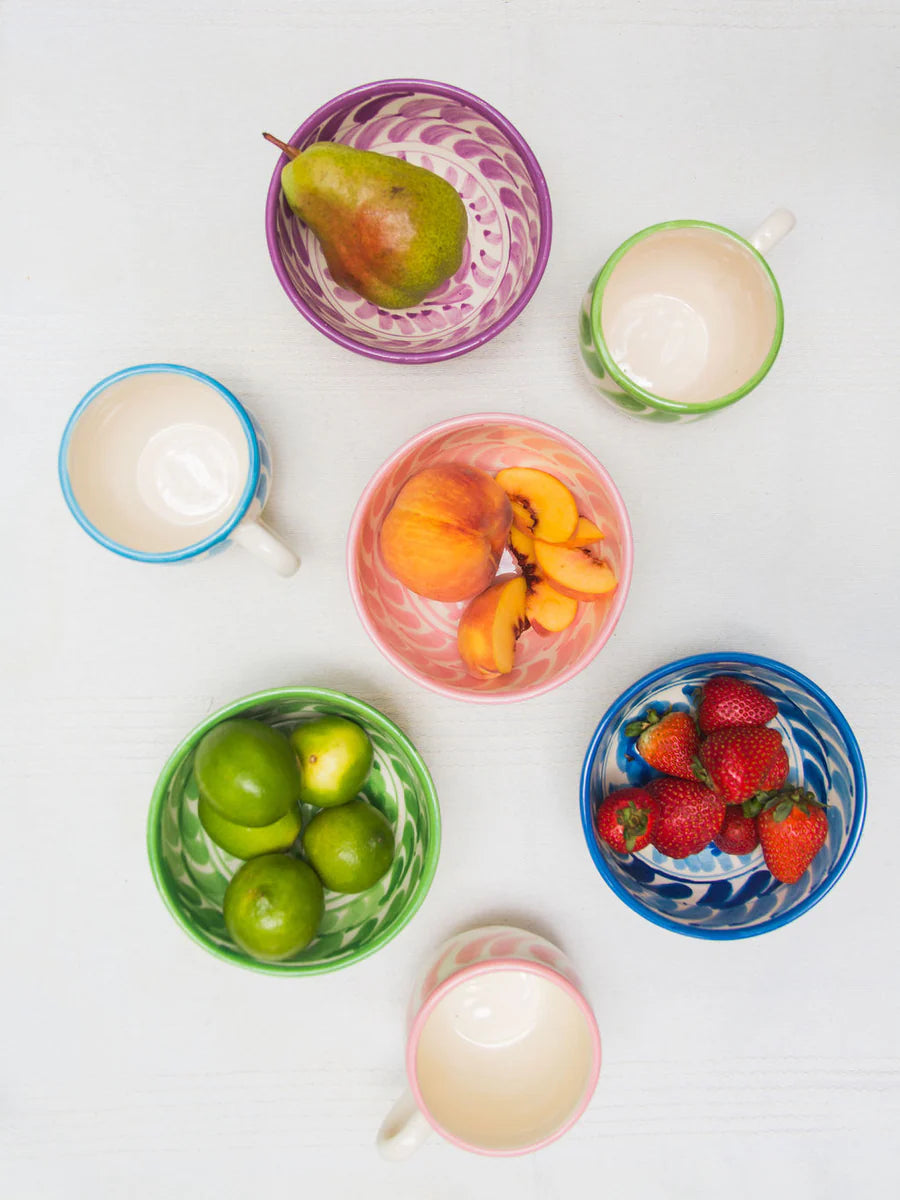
[(161, 463), (685, 318), (503, 1050)]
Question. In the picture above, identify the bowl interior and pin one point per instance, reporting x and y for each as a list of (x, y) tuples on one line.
[(463, 141), (712, 893), (419, 635), (192, 872)]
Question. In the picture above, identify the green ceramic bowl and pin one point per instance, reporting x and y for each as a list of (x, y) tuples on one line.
[(192, 872)]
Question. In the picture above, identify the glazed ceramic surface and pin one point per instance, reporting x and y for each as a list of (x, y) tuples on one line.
[(466, 142), (503, 1049), (161, 463), (685, 318), (714, 894), (192, 872), (419, 636)]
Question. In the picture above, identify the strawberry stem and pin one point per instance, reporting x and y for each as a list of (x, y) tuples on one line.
[(651, 717)]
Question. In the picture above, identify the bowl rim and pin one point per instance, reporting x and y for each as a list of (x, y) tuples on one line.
[(367, 91), (627, 545), (154, 827), (856, 825)]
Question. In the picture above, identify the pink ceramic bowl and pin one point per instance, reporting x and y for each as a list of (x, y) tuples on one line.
[(472, 146), (419, 635)]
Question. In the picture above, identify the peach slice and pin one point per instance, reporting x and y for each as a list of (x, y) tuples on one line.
[(541, 505), (522, 547), (586, 533), (445, 532), (549, 611), (574, 572), (490, 626)]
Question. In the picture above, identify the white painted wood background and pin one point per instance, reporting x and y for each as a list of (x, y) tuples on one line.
[(131, 229)]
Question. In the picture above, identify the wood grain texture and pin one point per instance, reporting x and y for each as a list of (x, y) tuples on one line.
[(131, 229)]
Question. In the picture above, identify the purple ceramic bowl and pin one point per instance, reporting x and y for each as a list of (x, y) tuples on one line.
[(474, 148)]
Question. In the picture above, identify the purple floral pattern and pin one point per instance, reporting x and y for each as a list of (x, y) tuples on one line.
[(508, 226)]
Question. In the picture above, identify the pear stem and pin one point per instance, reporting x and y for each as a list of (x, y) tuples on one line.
[(290, 151)]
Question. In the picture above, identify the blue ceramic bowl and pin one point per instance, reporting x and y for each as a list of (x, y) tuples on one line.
[(715, 895)]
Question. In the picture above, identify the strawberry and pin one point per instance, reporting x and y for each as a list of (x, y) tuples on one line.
[(728, 701), (742, 760), (738, 834), (668, 742), (792, 828), (777, 773), (626, 819), (690, 816)]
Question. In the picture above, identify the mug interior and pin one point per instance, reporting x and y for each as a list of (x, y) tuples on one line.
[(158, 461), (505, 1058), (689, 314)]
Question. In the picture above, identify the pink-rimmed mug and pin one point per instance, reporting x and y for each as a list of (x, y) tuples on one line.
[(419, 636), (503, 1049)]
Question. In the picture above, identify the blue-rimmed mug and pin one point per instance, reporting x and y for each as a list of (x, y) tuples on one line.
[(161, 463)]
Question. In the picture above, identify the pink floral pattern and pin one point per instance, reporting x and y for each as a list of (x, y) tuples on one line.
[(506, 230), (489, 943), (419, 635)]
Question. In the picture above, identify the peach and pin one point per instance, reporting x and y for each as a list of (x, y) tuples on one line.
[(522, 547), (490, 626), (548, 611), (586, 533), (541, 505), (574, 571), (445, 532)]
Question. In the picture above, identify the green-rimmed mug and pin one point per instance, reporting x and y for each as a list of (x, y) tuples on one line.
[(192, 872), (685, 318)]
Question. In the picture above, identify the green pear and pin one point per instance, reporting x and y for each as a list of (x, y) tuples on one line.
[(389, 230)]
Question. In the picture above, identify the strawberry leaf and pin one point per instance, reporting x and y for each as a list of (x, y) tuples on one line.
[(701, 774), (651, 717), (755, 805)]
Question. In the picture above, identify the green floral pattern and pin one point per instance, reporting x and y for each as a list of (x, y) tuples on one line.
[(192, 872)]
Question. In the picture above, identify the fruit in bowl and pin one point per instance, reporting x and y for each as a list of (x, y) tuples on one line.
[(273, 906), (350, 847), (483, 160), (247, 772), (420, 637), (724, 783), (335, 757), (390, 231), (248, 841), (732, 887), (244, 768), (445, 532), (192, 870), (490, 627), (443, 538)]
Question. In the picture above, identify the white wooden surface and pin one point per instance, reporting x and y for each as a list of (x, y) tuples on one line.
[(131, 229)]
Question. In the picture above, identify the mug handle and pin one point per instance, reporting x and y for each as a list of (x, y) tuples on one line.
[(260, 540), (403, 1130), (776, 226)]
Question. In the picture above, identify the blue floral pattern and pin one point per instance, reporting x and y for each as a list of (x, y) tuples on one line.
[(713, 894)]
